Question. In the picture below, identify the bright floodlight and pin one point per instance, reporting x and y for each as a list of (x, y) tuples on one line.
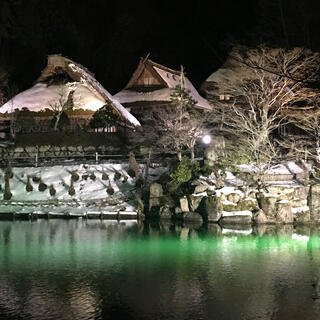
[(206, 139)]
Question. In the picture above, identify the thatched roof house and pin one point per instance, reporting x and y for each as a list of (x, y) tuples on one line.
[(65, 81), (229, 75), (151, 85)]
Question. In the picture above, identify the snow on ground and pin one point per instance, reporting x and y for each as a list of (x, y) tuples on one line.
[(90, 190), (288, 167)]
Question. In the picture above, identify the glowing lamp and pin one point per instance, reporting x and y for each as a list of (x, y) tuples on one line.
[(206, 139)]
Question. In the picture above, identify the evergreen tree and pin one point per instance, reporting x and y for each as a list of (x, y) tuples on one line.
[(105, 117)]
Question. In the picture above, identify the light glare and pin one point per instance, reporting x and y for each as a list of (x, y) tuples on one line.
[(206, 139)]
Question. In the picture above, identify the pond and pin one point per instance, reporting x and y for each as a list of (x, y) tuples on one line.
[(91, 269)]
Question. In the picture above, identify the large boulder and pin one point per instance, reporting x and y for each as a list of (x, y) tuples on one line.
[(314, 203), (156, 190), (259, 217), (165, 213), (194, 201), (237, 217), (192, 217), (283, 212), (247, 204), (301, 215), (155, 194), (200, 188), (210, 208), (268, 204), (228, 206), (301, 192), (184, 205), (234, 197)]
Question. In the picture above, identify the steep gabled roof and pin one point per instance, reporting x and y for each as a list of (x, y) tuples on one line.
[(168, 78), (88, 92)]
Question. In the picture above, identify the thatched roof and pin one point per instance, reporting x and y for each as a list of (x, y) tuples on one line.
[(158, 87), (58, 80)]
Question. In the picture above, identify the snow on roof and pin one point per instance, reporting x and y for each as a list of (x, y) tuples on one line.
[(173, 81), (88, 80), (41, 96), (88, 92), (171, 78)]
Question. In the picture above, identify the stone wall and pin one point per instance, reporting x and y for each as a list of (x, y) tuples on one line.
[(275, 204), (52, 151)]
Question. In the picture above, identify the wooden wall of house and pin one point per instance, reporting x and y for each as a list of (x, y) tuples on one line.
[(147, 81)]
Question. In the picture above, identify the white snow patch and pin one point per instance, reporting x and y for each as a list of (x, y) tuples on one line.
[(228, 190), (236, 213), (201, 194), (227, 202), (300, 209)]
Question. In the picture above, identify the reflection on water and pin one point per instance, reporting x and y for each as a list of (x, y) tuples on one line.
[(88, 269)]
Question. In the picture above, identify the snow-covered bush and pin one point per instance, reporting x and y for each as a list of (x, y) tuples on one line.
[(52, 190), (29, 186), (7, 193), (74, 176), (110, 189), (42, 186), (104, 176), (92, 176), (71, 190)]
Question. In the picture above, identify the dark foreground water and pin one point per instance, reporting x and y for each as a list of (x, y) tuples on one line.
[(105, 270)]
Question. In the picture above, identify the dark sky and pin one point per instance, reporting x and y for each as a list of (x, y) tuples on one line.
[(109, 37)]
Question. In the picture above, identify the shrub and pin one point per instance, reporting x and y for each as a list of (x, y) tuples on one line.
[(92, 176), (85, 176), (206, 170), (42, 186), (182, 172), (74, 176), (52, 190), (117, 175), (71, 190), (36, 179), (7, 193), (29, 186), (104, 176), (9, 172), (110, 190)]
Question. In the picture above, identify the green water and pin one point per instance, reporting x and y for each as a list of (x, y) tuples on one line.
[(82, 269)]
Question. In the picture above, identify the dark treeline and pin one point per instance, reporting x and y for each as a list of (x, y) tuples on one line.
[(109, 37)]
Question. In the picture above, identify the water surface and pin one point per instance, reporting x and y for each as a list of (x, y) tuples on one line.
[(79, 269)]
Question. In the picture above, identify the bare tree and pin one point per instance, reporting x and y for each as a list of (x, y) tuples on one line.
[(276, 80), (307, 142), (60, 106)]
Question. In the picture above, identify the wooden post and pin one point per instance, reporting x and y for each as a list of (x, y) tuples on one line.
[(36, 159), (97, 157)]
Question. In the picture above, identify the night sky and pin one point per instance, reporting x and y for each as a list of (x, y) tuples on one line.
[(109, 37)]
